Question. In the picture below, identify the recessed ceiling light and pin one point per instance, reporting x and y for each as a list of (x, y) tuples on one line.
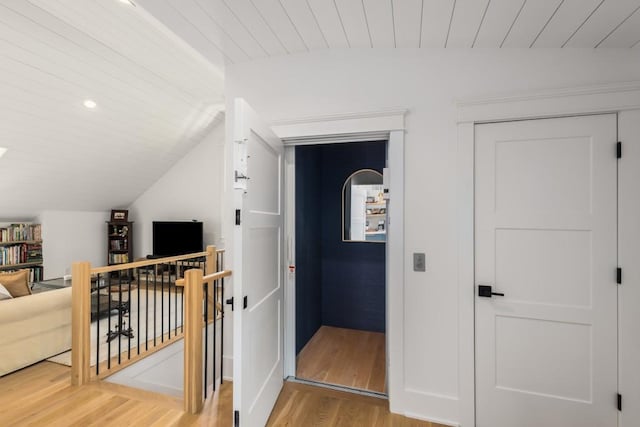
[(128, 2), (2, 151), (90, 104)]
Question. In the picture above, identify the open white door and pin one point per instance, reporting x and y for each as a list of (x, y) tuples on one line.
[(258, 157)]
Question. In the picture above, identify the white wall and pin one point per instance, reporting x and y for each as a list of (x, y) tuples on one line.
[(427, 82), (628, 255), (191, 189), (163, 371), (69, 236)]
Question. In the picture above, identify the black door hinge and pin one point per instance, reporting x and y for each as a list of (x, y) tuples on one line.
[(245, 302), (619, 402), (237, 216), (230, 302), (619, 276), (236, 418), (619, 150)]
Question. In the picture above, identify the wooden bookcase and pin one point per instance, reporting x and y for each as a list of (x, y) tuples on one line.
[(119, 242), (21, 248)]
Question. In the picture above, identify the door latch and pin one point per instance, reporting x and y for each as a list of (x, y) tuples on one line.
[(240, 175), (487, 292)]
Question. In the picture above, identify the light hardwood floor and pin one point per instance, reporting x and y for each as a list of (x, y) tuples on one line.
[(302, 405), (344, 357), (42, 395)]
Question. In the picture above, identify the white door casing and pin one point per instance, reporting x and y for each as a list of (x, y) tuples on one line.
[(629, 253), (258, 266), (352, 128), (545, 233)]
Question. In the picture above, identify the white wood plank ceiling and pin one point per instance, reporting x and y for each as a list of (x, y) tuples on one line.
[(229, 31), (155, 96), (155, 69)]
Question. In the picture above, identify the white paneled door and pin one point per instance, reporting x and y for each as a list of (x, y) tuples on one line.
[(546, 238), (258, 267)]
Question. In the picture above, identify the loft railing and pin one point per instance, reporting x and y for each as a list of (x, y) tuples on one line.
[(122, 313), (197, 288)]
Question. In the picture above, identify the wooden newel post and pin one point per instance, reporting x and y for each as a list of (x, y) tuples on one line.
[(193, 380), (80, 322), (211, 267), (212, 260)]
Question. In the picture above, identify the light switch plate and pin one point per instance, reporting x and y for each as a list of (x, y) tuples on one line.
[(419, 262)]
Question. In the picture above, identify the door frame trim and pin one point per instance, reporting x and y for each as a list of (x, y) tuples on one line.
[(356, 127), (610, 98)]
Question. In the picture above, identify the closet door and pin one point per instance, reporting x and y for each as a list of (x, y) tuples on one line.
[(546, 243)]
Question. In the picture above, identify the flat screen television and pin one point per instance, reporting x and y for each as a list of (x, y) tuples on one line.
[(177, 237)]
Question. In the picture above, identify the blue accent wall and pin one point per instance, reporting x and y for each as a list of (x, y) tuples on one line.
[(348, 277), (308, 256)]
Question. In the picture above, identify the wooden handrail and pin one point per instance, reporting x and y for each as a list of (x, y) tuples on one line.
[(193, 320), (208, 278), (147, 262)]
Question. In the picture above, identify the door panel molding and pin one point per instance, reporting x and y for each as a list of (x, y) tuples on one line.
[(615, 97), (258, 264), (548, 345)]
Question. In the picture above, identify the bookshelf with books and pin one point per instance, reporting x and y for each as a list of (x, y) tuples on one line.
[(21, 248), (119, 242)]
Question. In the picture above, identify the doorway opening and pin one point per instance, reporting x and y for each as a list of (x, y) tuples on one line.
[(340, 267)]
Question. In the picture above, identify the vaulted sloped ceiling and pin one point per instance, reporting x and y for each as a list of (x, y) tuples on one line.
[(156, 97), (155, 69), (242, 30)]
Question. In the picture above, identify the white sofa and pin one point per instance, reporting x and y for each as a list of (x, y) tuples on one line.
[(34, 328)]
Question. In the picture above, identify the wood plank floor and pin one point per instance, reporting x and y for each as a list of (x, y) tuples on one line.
[(345, 357), (304, 405), (42, 395)]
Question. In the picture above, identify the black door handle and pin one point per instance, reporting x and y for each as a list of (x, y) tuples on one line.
[(486, 291)]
